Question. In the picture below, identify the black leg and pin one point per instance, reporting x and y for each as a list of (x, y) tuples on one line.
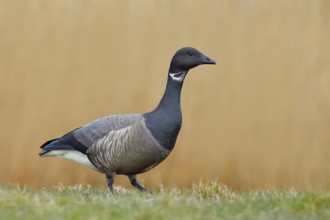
[(110, 180), (135, 183)]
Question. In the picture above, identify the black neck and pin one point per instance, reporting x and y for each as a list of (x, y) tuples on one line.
[(164, 122), (171, 99)]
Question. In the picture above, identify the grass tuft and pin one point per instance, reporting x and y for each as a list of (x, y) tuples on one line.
[(212, 189)]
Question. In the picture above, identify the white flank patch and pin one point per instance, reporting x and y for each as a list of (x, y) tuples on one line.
[(71, 155), (178, 76)]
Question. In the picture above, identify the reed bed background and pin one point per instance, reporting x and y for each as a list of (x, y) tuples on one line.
[(260, 118)]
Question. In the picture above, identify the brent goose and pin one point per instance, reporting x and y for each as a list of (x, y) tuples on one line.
[(131, 144)]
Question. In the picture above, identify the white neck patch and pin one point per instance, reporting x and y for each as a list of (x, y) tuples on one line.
[(179, 76)]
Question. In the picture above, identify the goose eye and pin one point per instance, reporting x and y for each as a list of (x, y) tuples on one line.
[(190, 54)]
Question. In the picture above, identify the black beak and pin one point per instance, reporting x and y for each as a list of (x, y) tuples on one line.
[(207, 60)]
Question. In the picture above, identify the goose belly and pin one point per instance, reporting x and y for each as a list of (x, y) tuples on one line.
[(139, 160)]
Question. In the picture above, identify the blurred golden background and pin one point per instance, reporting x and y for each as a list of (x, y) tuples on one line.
[(260, 118)]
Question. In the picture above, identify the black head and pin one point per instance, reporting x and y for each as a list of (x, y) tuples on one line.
[(187, 58)]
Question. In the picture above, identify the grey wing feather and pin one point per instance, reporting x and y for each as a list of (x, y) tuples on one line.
[(96, 130), (129, 150)]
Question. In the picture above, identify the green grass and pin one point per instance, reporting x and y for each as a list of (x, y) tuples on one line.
[(206, 200)]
